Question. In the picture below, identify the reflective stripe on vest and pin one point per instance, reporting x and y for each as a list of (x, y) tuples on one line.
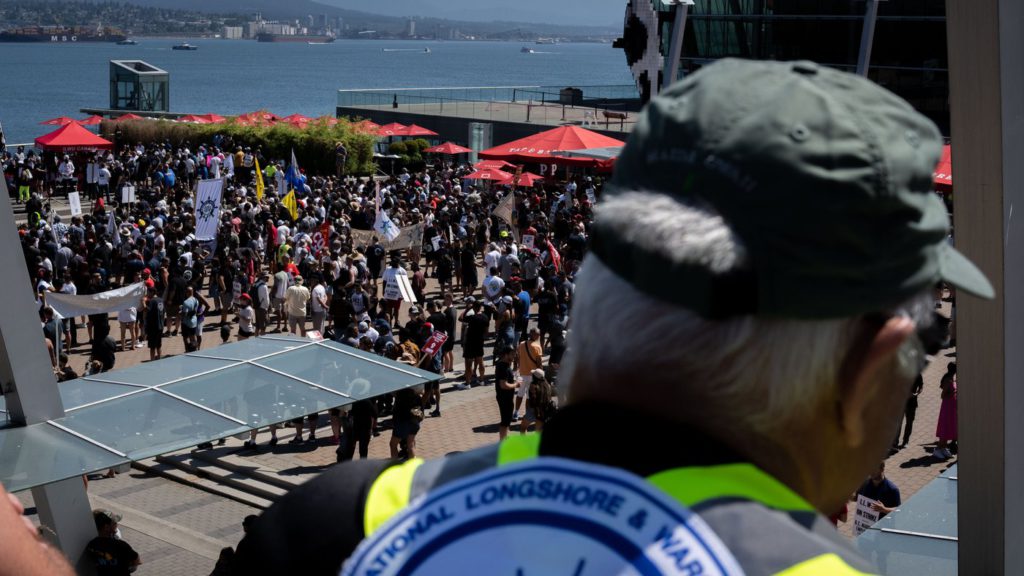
[(829, 564), (389, 494)]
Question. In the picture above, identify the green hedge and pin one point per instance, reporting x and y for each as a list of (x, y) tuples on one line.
[(411, 152), (314, 146)]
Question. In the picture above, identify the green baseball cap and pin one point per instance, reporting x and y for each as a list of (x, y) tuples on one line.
[(824, 176)]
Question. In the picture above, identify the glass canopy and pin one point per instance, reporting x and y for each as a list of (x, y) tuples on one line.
[(921, 536), (167, 405)]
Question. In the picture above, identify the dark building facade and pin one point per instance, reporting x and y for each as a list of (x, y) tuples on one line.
[(908, 53)]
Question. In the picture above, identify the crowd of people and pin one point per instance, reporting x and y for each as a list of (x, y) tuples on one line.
[(498, 290)]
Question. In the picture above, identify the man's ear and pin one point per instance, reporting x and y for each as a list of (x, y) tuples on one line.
[(861, 379)]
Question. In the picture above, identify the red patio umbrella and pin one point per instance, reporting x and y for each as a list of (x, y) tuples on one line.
[(71, 138), (393, 129), (541, 147), (943, 174), (296, 118), (129, 116), (366, 127), (194, 119), (262, 116), (329, 120), (59, 121), (525, 179), (214, 118), (493, 165), (449, 148), (414, 130), (489, 175), (91, 120), (298, 123)]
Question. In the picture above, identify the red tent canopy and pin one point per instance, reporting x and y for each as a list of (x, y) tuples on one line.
[(71, 138), (393, 129), (539, 147), (450, 148), (943, 174), (489, 175), (493, 165), (91, 120), (414, 130), (129, 116), (525, 179), (59, 121)]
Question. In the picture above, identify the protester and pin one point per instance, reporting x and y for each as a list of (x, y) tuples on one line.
[(884, 494), (111, 555), (946, 430)]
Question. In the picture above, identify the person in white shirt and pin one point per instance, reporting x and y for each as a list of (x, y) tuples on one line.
[(66, 171), (318, 304), (103, 183), (392, 293)]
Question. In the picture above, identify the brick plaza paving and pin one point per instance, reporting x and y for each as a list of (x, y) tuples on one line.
[(179, 529)]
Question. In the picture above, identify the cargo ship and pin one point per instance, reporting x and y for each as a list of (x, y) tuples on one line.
[(62, 34), (303, 38)]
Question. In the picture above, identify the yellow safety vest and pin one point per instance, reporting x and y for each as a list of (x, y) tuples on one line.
[(690, 486)]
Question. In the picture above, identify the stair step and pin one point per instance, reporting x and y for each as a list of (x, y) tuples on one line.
[(202, 483), (212, 471)]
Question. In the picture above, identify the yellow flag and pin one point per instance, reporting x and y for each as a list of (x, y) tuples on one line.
[(260, 187), (291, 204)]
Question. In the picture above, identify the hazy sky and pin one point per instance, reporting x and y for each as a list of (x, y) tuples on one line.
[(579, 12)]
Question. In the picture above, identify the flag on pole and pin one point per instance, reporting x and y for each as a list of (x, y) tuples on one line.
[(504, 211), (260, 186), (385, 227), (115, 238), (291, 204), (293, 176)]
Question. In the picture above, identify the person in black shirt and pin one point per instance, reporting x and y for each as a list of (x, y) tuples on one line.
[(474, 333), (375, 261), (882, 490), (362, 421), (504, 390), (111, 555), (547, 311)]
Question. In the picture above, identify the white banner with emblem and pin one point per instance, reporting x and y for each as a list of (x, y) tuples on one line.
[(208, 194)]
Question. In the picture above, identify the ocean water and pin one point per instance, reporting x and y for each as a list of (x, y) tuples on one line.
[(41, 81)]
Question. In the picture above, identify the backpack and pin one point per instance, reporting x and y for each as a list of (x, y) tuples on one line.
[(254, 293)]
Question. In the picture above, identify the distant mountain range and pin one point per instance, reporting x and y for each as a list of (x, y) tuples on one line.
[(571, 17)]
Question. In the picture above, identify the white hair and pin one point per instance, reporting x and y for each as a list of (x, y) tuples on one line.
[(772, 371)]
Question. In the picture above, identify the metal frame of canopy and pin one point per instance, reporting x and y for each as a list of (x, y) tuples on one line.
[(117, 417)]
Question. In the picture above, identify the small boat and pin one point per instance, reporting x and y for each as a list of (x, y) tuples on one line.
[(127, 42), (184, 46), (426, 50), (526, 50)]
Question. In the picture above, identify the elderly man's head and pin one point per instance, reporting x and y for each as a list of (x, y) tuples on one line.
[(773, 225)]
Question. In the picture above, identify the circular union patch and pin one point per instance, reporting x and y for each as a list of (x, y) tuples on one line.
[(544, 516)]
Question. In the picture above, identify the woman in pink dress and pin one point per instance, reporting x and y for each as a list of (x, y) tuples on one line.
[(946, 430)]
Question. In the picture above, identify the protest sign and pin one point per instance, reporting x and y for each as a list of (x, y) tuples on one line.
[(408, 237), (864, 516), (128, 194), (528, 241), (434, 343), (75, 201)]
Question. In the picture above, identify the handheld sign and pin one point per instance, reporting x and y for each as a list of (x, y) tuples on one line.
[(405, 287), (128, 194), (864, 516), (76, 203), (314, 335), (528, 241), (434, 343)]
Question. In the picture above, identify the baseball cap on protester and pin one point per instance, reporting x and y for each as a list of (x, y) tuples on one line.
[(102, 517), (824, 176)]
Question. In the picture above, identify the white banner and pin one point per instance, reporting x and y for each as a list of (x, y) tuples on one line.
[(208, 193), (408, 237), (75, 201), (103, 303)]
